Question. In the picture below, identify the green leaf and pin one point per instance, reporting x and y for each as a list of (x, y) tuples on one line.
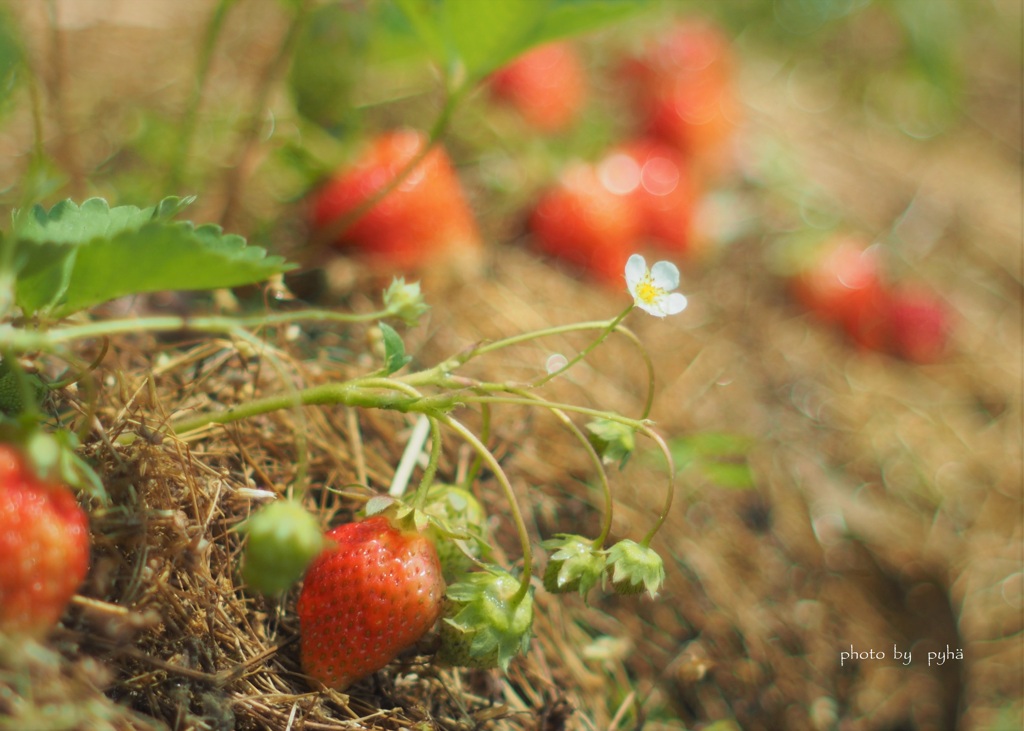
[(473, 37), (327, 57), (717, 458), (11, 58), (575, 17), (76, 256), (394, 349)]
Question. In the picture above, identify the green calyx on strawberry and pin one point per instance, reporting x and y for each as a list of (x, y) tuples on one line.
[(284, 538), (370, 595), (633, 568), (575, 564), (456, 528), (44, 544), (488, 620)]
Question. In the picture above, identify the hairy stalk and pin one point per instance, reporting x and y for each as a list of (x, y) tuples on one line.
[(29, 340), (606, 488), (364, 393), (670, 493), (420, 498), (587, 350), (485, 435), (510, 496)]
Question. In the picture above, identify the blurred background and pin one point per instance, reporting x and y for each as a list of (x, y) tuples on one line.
[(837, 492)]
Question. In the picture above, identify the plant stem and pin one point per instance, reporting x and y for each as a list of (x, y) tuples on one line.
[(670, 494), (202, 76), (510, 496), (586, 351), (530, 401), (420, 498), (28, 340), (606, 489), (360, 392)]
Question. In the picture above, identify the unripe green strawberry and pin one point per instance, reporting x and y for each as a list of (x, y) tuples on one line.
[(372, 594), (634, 568), (283, 538), (488, 621), (457, 524), (44, 547), (574, 565)]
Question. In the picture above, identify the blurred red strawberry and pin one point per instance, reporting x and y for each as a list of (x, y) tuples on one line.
[(424, 220), (843, 285), (919, 325), (588, 223), (683, 84), (658, 179), (546, 86)]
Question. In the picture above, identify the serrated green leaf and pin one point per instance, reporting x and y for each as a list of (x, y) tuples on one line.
[(394, 349), (76, 256)]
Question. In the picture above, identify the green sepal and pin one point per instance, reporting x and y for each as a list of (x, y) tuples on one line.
[(488, 620), (633, 568), (575, 564)]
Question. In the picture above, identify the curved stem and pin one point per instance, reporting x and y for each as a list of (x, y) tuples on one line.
[(670, 494), (606, 489), (588, 350), (485, 435), (420, 498), (529, 401), (510, 496)]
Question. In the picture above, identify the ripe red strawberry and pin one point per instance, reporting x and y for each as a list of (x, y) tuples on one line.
[(662, 190), (424, 220), (844, 286), (372, 594), (586, 222), (44, 547), (684, 92), (546, 86), (918, 325)]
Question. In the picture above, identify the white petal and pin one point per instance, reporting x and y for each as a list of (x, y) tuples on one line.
[(665, 275), (636, 269), (673, 304), (654, 308)]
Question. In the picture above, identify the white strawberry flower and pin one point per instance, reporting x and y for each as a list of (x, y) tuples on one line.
[(652, 288)]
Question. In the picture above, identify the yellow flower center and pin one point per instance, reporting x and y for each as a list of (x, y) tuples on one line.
[(647, 292)]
